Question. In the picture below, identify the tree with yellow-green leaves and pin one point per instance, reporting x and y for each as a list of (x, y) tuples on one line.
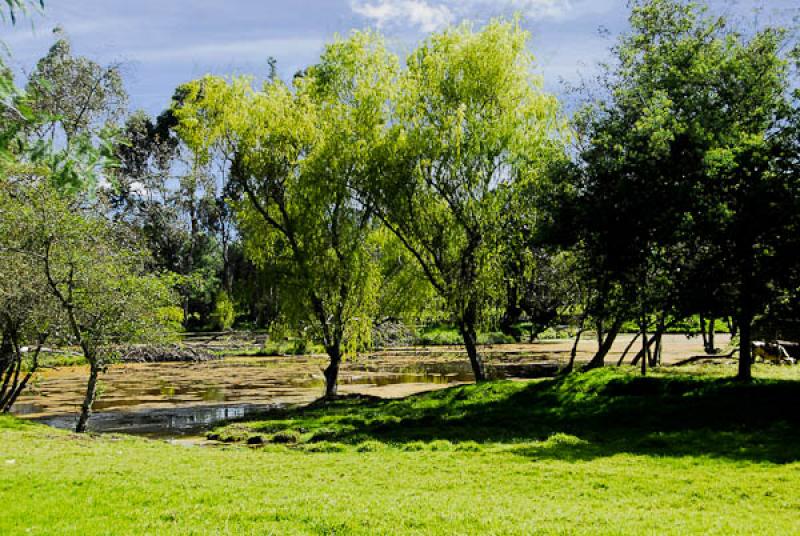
[(297, 151), (471, 124)]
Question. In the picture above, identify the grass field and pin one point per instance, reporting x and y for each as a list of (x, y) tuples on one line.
[(606, 452)]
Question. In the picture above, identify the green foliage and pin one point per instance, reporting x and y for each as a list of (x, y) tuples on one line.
[(449, 335), (404, 292), (171, 317), (298, 151), (470, 122), (76, 95), (224, 314), (94, 270), (16, 7), (674, 205), (31, 118)]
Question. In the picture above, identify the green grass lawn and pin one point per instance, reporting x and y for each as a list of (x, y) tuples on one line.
[(605, 452)]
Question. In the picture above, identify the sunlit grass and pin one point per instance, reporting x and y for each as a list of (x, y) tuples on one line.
[(605, 452)]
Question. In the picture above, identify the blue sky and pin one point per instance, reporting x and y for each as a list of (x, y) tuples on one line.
[(162, 43)]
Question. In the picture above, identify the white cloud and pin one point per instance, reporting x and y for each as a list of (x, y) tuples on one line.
[(418, 13), (542, 9), (431, 15), (531, 9)]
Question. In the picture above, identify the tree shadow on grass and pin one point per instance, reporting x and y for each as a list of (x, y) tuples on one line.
[(581, 416)]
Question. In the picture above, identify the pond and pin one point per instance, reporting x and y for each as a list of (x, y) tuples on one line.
[(169, 400), (178, 399)]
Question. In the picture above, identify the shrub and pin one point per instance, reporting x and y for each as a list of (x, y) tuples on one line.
[(224, 313), (286, 437), (495, 337)]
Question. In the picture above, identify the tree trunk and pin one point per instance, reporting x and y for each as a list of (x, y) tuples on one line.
[(642, 354), (627, 349), (703, 332), (655, 358), (745, 347), (709, 341), (8, 387), (7, 362), (88, 400), (645, 346), (190, 261), (8, 401), (332, 372), (599, 358), (471, 344), (745, 317), (658, 349), (512, 315), (574, 352), (600, 333)]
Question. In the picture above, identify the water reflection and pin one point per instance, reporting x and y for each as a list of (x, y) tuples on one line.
[(164, 423)]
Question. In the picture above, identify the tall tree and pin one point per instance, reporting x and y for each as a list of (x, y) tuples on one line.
[(677, 172), (297, 152), (470, 120)]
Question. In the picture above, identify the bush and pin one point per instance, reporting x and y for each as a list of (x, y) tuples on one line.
[(224, 314), (171, 317), (439, 336), (495, 337), (286, 437), (414, 446), (299, 347)]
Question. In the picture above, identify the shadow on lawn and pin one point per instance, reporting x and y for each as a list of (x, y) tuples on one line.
[(582, 416)]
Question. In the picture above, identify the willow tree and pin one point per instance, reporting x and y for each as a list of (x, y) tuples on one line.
[(470, 121), (297, 151)]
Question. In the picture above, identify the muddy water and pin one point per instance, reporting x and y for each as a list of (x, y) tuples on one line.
[(173, 399), (177, 399)]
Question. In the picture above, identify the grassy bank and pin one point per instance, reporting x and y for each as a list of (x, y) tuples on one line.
[(604, 452)]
